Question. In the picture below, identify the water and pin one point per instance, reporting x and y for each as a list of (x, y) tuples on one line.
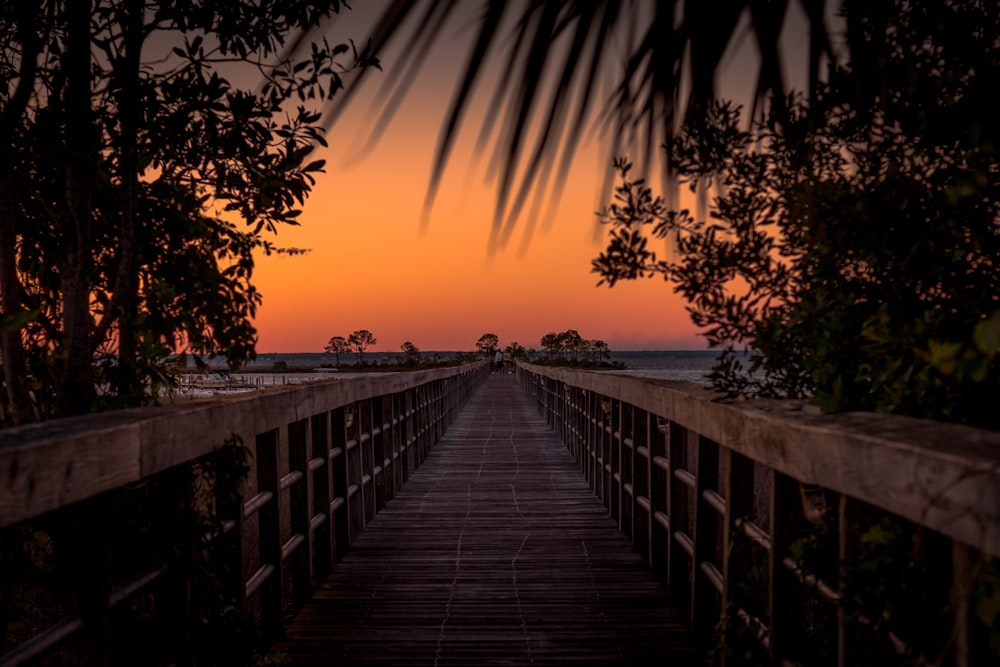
[(689, 365)]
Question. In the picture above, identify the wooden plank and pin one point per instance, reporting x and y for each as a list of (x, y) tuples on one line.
[(942, 476), (495, 552), (55, 463)]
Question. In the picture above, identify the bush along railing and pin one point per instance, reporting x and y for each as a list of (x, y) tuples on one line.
[(789, 537), (188, 534)]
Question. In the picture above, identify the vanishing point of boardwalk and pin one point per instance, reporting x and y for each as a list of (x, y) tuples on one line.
[(496, 552)]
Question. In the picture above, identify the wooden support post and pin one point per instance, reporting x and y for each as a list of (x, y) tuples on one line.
[(785, 594), (269, 518), (705, 598), (339, 473), (81, 541), (680, 560), (175, 588), (641, 475), (321, 519), (378, 473), (659, 505), (299, 491), (737, 552), (628, 484), (961, 604), (229, 507), (606, 452)]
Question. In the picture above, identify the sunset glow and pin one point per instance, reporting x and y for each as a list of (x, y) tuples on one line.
[(372, 266)]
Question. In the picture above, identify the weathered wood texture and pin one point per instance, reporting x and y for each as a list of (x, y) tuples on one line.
[(495, 553), (52, 464), (325, 458), (943, 476), (735, 507)]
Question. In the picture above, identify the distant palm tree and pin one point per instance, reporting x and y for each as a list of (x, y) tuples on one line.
[(649, 47)]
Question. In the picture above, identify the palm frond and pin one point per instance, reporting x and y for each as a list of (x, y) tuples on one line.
[(557, 57)]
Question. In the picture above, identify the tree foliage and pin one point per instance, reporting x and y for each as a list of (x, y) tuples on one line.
[(569, 347), (487, 344), (360, 341), (558, 61), (337, 346), (852, 249), (412, 353), (140, 170), (516, 350)]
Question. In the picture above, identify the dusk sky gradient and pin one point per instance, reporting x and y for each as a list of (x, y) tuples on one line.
[(372, 266)]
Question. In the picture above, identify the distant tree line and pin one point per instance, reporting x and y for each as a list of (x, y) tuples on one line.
[(566, 348), (360, 341)]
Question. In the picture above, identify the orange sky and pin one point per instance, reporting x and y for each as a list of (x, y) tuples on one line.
[(372, 267)]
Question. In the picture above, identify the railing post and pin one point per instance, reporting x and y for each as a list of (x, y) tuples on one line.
[(269, 520), (681, 552), (607, 436), (409, 433), (642, 507), (613, 464), (176, 585), (398, 441), (661, 519), (229, 506), (340, 504), (737, 554), (579, 424), (419, 424), (379, 472), (321, 521), (705, 612), (626, 466), (81, 540), (299, 546), (784, 594)]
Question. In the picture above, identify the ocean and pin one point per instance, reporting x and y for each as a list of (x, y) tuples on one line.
[(690, 365)]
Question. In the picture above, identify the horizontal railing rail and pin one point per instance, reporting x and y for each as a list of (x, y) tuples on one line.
[(847, 539), (324, 458)]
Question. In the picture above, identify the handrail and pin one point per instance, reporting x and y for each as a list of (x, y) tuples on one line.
[(55, 463), (707, 489), (325, 458)]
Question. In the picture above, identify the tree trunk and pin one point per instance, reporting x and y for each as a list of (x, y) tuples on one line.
[(127, 279), (76, 391), (15, 372)]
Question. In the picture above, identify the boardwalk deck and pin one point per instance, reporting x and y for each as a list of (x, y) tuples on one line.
[(495, 553)]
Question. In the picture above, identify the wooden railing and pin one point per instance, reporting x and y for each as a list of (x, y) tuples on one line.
[(78, 587), (791, 537)]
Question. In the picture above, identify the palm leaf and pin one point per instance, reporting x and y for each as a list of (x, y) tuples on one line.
[(556, 55)]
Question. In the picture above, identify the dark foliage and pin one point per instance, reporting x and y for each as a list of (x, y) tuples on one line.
[(853, 250)]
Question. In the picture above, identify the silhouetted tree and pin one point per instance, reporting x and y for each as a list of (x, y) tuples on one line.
[(551, 344), (136, 183), (487, 344), (412, 352), (571, 343), (855, 250), (360, 341), (337, 346), (516, 350)]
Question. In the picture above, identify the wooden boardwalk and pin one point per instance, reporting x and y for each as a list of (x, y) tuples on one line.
[(496, 552)]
